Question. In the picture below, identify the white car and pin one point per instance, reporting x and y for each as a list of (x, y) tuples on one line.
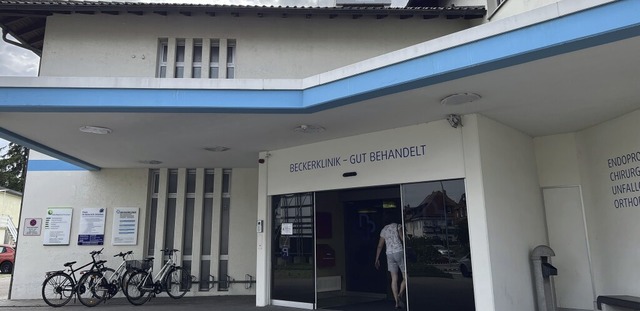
[(443, 251), (465, 266)]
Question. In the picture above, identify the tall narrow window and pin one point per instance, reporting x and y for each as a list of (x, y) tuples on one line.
[(180, 59), (170, 220), (207, 227), (197, 59), (155, 182), (214, 63), (163, 49), (223, 264), (231, 59)]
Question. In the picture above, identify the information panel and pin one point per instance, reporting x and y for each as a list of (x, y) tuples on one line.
[(125, 226), (92, 226), (57, 226)]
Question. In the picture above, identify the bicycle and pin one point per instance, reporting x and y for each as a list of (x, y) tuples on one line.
[(62, 286), (173, 279), (114, 279)]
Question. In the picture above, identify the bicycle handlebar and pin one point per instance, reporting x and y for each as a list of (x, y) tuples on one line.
[(93, 253), (121, 254)]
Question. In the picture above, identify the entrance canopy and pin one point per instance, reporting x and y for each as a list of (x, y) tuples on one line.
[(554, 70)]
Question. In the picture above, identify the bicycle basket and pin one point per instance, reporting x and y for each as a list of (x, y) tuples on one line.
[(139, 264)]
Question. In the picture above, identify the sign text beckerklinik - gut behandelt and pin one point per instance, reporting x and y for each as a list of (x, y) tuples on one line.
[(359, 158)]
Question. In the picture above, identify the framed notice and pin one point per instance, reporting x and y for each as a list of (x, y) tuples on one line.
[(91, 230), (125, 226), (32, 226), (287, 228), (57, 226)]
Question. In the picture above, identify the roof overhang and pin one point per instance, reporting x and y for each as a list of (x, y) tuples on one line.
[(26, 20), (550, 75)]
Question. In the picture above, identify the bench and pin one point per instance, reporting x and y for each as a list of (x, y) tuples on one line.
[(629, 302)]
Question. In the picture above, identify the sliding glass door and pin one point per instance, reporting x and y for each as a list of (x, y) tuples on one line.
[(437, 246), (293, 271)]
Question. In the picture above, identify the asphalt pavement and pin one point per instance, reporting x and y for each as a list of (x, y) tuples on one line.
[(216, 303)]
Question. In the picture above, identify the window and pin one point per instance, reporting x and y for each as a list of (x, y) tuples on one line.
[(203, 250), (183, 58), (214, 59), (196, 71), (231, 59), (162, 60), (179, 73)]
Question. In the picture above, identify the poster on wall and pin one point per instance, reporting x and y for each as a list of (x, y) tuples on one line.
[(57, 226), (32, 226), (287, 228), (91, 230), (125, 226)]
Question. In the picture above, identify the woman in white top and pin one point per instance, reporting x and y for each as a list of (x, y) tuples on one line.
[(391, 236)]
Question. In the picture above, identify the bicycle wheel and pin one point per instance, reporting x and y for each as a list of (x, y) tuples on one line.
[(92, 288), (178, 282), (111, 284), (57, 289), (124, 277), (134, 289)]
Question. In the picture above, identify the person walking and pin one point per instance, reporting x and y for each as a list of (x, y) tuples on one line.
[(392, 237)]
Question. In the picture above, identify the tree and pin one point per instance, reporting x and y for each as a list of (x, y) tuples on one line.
[(13, 167)]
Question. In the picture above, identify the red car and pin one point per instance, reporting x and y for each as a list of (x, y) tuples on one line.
[(7, 257)]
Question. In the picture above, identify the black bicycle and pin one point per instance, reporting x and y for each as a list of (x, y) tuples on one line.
[(59, 286)]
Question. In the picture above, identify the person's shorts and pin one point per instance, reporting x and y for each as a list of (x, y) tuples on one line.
[(395, 261)]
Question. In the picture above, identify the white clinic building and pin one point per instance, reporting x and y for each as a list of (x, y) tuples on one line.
[(268, 143)]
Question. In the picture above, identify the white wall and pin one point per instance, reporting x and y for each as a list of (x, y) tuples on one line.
[(242, 228), (513, 7), (614, 232), (441, 159), (108, 188), (582, 159), (560, 177), (270, 47), (503, 194), (557, 160)]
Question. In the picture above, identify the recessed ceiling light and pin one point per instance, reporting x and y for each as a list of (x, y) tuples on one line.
[(154, 162), (95, 130), (217, 149), (459, 98), (306, 128)]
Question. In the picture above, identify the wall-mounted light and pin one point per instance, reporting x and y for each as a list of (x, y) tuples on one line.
[(459, 98), (217, 149)]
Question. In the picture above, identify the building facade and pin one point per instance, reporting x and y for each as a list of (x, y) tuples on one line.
[(268, 145), (10, 202)]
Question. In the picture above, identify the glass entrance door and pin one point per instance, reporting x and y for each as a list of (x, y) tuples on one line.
[(437, 246), (293, 271)]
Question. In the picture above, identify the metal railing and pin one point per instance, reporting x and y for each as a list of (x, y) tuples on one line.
[(6, 222)]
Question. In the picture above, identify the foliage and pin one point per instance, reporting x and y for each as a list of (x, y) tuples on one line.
[(13, 167)]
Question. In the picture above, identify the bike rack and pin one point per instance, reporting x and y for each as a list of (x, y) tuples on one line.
[(248, 281)]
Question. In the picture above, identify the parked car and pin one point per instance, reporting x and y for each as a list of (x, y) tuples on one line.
[(7, 258), (443, 251), (465, 266)]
